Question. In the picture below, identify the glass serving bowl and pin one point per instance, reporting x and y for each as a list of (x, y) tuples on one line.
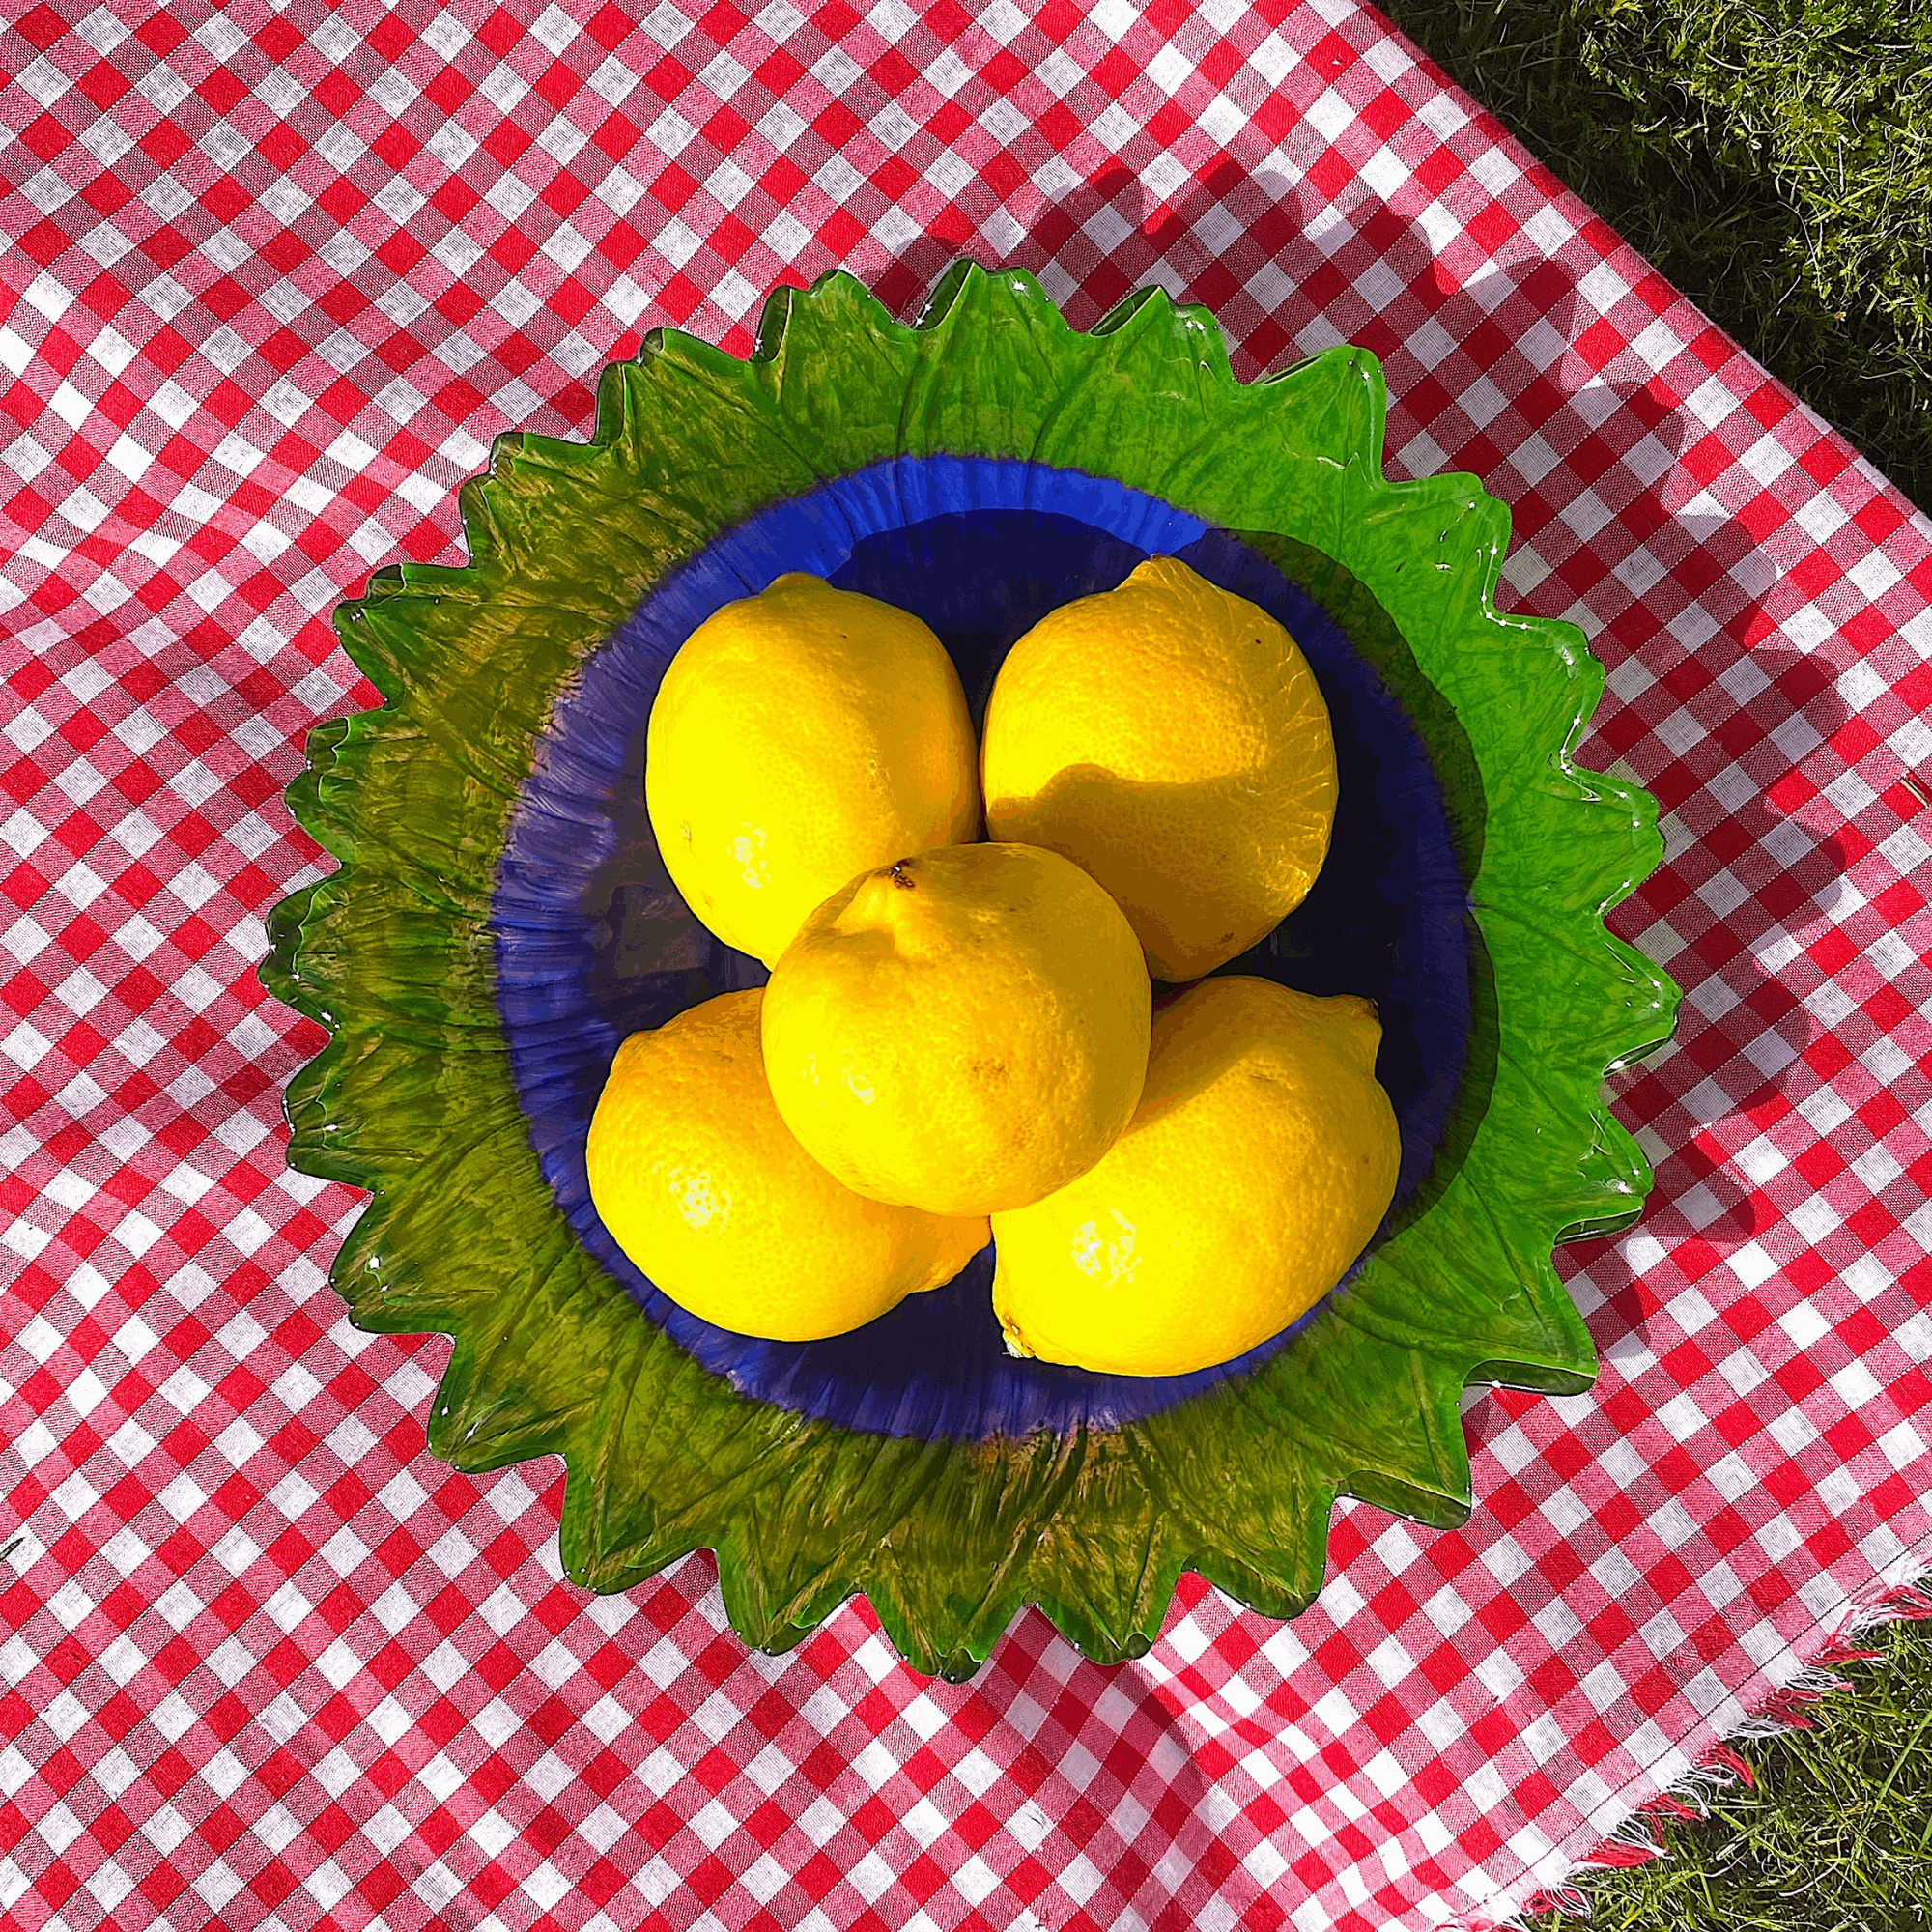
[(501, 919)]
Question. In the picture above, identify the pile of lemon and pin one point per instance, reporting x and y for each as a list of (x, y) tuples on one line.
[(958, 1042)]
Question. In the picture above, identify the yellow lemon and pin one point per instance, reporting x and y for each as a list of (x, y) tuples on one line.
[(964, 1031), (1170, 738), (1262, 1159), (799, 737), (703, 1186)]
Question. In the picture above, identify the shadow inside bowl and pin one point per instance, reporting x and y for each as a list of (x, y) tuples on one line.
[(594, 943)]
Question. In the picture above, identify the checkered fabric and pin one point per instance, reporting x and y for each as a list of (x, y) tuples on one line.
[(274, 276)]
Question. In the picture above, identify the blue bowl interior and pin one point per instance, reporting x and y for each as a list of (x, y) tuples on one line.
[(593, 943)]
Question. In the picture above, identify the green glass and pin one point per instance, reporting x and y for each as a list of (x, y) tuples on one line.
[(412, 1098)]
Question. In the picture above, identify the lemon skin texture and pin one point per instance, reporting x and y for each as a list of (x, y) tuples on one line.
[(1262, 1158), (962, 1032), (797, 738), (1170, 738), (705, 1188)]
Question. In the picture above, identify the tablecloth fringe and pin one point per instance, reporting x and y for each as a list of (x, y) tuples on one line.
[(1638, 1839)]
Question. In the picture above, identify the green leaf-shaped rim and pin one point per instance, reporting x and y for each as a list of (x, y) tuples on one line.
[(412, 1098)]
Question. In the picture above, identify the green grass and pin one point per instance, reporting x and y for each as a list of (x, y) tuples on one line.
[(1774, 161), (1836, 1837)]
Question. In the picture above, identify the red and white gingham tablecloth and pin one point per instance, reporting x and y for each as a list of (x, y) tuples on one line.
[(273, 277)]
